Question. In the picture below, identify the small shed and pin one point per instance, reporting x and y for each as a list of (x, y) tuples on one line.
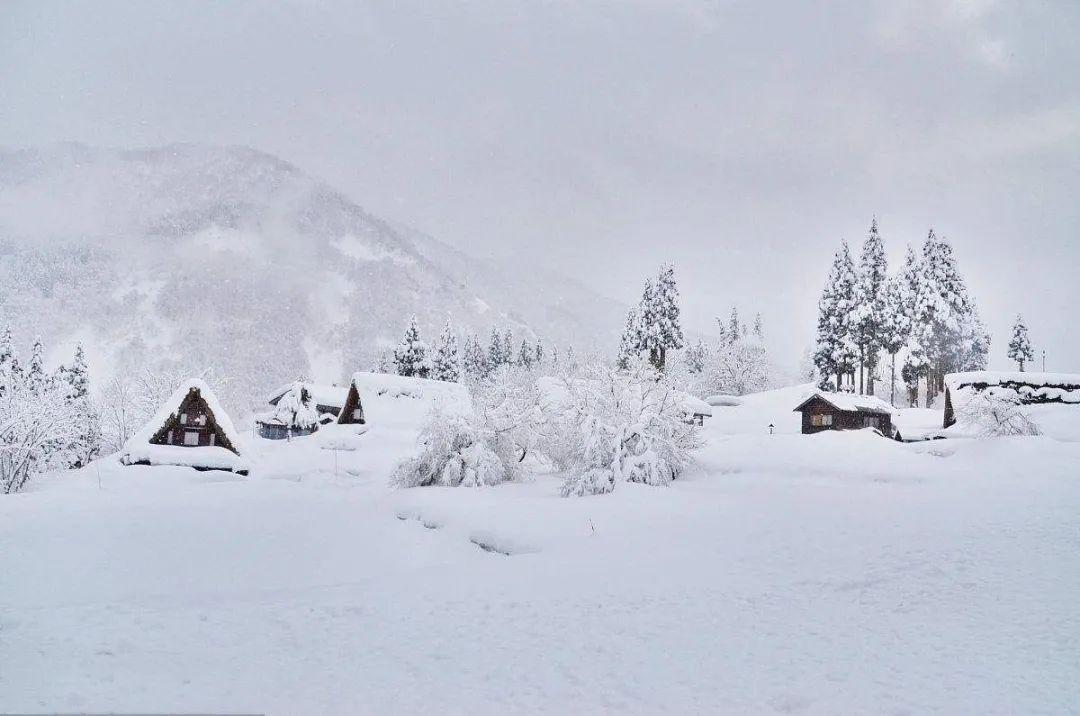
[(1025, 388), (845, 411), (695, 410), (191, 429)]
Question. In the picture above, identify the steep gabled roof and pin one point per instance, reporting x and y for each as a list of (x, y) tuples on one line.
[(332, 395), (850, 403), (171, 407)]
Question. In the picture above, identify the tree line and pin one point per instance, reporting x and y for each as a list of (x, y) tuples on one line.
[(921, 318)]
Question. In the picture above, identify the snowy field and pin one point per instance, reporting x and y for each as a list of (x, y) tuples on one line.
[(837, 573)]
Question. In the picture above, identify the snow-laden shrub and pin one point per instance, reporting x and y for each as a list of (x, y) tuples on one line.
[(482, 447), (994, 412), (616, 426), (38, 423)]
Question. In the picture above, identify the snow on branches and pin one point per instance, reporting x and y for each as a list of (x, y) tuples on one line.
[(616, 426)]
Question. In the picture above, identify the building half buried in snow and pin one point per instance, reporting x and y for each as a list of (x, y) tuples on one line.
[(845, 411), (191, 430), (1024, 388)]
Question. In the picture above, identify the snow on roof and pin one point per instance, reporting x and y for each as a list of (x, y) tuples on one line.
[(850, 402), (399, 386), (697, 406), (997, 377), (724, 401), (332, 395), (172, 406)]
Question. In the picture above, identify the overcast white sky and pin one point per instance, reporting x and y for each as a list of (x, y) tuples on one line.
[(740, 139)]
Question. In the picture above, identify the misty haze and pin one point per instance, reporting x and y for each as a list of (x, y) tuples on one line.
[(639, 356)]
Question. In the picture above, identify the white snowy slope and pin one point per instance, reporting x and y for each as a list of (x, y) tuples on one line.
[(229, 258), (836, 573)]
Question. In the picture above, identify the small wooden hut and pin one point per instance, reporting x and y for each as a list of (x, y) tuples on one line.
[(191, 429), (845, 411)]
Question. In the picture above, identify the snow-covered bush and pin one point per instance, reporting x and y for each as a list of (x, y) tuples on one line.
[(612, 426), (484, 446), (994, 412), (37, 424)]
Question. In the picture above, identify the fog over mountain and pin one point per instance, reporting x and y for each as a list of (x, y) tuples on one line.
[(197, 256)]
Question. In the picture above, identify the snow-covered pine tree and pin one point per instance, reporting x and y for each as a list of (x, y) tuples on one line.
[(834, 353), (942, 310), (85, 441), (895, 325), (869, 308), (697, 356), (525, 355), (473, 359), (759, 327), (496, 358), (410, 357), (734, 327), (445, 362), (36, 377), (508, 354), (647, 319), (630, 342), (538, 353), (668, 328), (1020, 348), (9, 362)]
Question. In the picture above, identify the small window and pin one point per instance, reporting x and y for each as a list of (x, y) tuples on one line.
[(201, 420), (211, 438), (826, 419), (819, 420), (183, 418), (357, 414), (169, 438), (191, 438)]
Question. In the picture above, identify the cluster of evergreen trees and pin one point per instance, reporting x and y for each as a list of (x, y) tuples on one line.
[(453, 360), (653, 327), (47, 420), (921, 318)]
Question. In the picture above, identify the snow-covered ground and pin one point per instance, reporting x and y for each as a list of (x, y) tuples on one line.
[(836, 573)]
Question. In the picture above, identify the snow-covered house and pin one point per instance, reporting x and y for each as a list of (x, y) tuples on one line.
[(845, 411), (398, 395), (1025, 388), (327, 399), (299, 409), (191, 429)]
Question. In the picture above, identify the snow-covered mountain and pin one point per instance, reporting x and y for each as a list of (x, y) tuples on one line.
[(230, 258)]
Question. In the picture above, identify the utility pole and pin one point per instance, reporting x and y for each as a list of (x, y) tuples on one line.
[(1044, 360)]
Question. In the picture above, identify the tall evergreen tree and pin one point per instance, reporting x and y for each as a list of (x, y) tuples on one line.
[(538, 352), (496, 356), (630, 344), (1020, 348), (35, 372), (508, 347), (9, 363), (473, 359), (943, 313), (525, 355), (869, 308), (85, 442), (410, 357), (835, 352), (445, 363), (895, 325), (759, 328), (668, 330), (734, 328)]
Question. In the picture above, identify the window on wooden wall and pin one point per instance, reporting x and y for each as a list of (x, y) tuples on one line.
[(191, 438), (820, 420)]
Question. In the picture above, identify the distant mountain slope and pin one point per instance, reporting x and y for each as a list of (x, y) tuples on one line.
[(225, 257)]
